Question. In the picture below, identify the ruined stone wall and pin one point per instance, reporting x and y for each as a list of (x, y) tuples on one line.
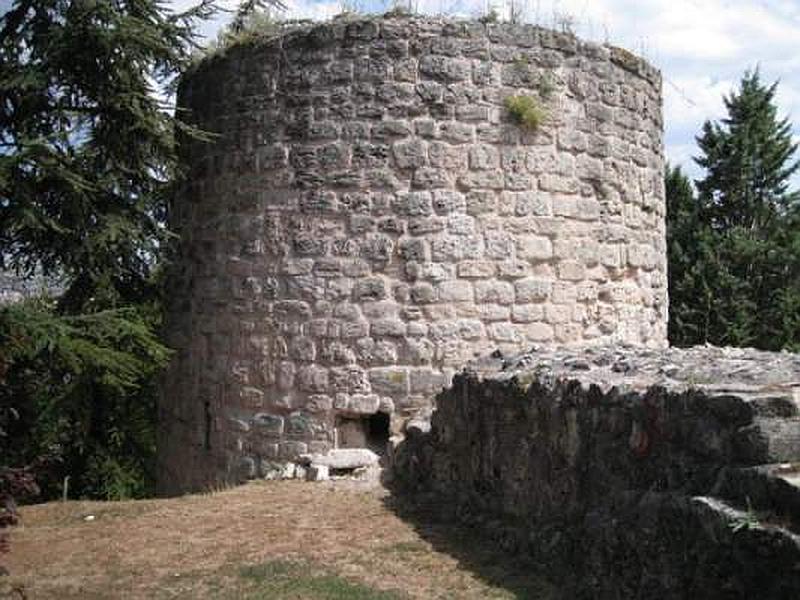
[(369, 218), (625, 473)]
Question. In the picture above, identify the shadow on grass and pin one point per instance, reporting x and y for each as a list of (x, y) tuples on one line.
[(474, 552)]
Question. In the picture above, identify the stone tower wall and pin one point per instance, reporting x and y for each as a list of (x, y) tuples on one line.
[(370, 217)]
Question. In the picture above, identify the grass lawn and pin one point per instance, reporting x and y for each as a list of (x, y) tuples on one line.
[(265, 540)]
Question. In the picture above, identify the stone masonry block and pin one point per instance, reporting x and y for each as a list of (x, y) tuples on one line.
[(425, 380), (534, 248), (513, 269), (389, 327), (494, 292), (265, 423), (350, 379), (480, 202), (369, 289), (414, 204), (539, 332), (483, 156), (530, 203), (443, 155), (389, 380), (455, 291), (312, 378), (476, 269), (423, 293), (505, 333), (499, 244), (445, 69), (446, 202), (430, 178), (413, 249), (557, 313), (571, 270), (527, 313), (457, 133), (459, 224), (410, 154)]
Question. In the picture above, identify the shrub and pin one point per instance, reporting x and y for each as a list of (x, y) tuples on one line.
[(527, 111), (15, 485)]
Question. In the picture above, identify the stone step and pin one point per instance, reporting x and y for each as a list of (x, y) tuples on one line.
[(768, 440), (770, 491), (777, 406)]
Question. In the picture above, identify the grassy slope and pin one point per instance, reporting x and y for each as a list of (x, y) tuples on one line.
[(276, 540)]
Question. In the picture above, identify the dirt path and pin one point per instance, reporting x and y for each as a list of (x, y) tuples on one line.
[(262, 540)]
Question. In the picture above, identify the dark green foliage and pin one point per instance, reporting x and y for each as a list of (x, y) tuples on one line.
[(88, 147), (734, 248), (87, 166), (687, 253), (748, 162), (82, 392)]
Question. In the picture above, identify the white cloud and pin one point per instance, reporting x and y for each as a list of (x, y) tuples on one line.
[(683, 155), (694, 98)]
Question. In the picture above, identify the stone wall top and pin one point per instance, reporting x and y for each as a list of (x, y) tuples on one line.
[(624, 472), (746, 372), (302, 35)]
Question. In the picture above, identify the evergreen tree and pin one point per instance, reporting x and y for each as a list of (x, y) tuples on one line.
[(88, 145), (689, 297), (87, 163), (748, 162), (734, 250)]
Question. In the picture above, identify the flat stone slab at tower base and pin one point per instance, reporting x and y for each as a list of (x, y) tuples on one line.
[(343, 458)]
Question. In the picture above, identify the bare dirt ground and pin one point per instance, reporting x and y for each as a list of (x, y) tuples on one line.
[(281, 540)]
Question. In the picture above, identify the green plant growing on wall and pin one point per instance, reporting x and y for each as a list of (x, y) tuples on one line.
[(545, 86), (402, 8), (527, 111), (349, 7), (564, 22), (522, 65), (255, 23), (746, 520), (492, 16)]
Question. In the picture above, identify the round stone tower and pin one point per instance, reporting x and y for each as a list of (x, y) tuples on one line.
[(374, 211)]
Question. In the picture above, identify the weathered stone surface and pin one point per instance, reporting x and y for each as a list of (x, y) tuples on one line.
[(343, 458), (317, 472), (371, 205), (624, 472)]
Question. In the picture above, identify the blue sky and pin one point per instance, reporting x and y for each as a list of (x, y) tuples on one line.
[(701, 46)]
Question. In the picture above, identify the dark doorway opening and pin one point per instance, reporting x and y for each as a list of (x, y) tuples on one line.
[(364, 431)]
